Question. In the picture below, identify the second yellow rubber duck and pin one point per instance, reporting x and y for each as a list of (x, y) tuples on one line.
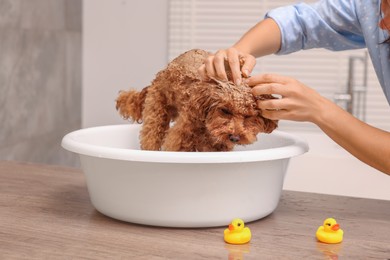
[(330, 232), (237, 233)]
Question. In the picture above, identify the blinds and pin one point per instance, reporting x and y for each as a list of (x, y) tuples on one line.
[(217, 24)]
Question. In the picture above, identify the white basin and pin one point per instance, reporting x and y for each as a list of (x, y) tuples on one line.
[(181, 189)]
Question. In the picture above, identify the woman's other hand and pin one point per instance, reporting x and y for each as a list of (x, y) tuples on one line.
[(295, 101), (298, 102)]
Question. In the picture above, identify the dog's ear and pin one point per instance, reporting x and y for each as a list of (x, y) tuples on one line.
[(269, 125)]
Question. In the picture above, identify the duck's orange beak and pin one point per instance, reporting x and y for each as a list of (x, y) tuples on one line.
[(231, 227), (336, 227)]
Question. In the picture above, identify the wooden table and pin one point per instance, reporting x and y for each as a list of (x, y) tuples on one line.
[(45, 213)]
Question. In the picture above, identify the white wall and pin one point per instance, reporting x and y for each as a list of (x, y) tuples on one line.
[(124, 45)]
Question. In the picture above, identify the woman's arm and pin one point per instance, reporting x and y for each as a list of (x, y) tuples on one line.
[(262, 39), (330, 24), (301, 103)]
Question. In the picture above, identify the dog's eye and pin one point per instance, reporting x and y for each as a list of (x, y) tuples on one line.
[(226, 111), (247, 116)]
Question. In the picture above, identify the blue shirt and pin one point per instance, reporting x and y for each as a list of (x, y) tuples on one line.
[(336, 25)]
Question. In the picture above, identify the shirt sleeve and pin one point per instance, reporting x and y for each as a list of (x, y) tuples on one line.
[(329, 24)]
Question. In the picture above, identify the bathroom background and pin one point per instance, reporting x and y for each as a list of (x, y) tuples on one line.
[(40, 78), (62, 63)]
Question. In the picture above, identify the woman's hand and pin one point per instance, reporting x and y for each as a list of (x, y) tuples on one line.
[(262, 39), (296, 101), (241, 64)]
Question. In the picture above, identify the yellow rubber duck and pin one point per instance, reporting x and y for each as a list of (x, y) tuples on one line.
[(237, 233), (330, 232)]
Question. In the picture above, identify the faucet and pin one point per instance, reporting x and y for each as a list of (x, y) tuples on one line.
[(355, 95)]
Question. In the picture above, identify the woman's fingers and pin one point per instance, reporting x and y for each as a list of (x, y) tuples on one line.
[(269, 104), (249, 64), (275, 114), (297, 102), (267, 78), (219, 65), (240, 65), (209, 66), (234, 64), (270, 89), (276, 109)]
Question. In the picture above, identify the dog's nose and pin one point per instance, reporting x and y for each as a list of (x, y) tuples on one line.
[(234, 138)]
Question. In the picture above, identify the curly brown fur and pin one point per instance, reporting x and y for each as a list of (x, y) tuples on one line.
[(130, 104), (207, 116)]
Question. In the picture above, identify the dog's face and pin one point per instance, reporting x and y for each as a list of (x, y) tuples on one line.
[(232, 117)]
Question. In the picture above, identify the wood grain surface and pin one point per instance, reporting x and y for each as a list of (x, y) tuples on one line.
[(45, 213)]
